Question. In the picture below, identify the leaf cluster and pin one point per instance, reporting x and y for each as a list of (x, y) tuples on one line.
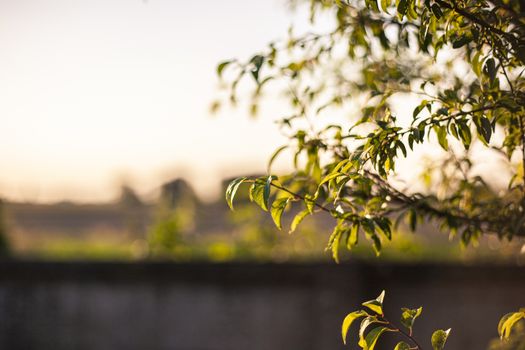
[(463, 60), (374, 324)]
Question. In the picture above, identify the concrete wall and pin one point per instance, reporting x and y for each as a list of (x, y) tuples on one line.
[(234, 306)]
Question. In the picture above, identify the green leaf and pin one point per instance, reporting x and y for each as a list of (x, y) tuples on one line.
[(353, 236), (465, 134), (409, 316), (439, 338), (441, 133), (274, 156), (277, 209), (461, 41), (333, 242), (298, 219), (402, 7), (362, 328), (436, 10), (476, 63), (484, 128), (376, 305), (257, 62), (267, 190), (222, 66), (402, 147), (309, 201), (385, 226), (257, 194), (385, 4), (501, 324), (376, 244), (490, 69), (507, 322), (349, 319), (402, 346), (330, 177), (373, 336), (411, 141), (232, 190), (372, 4), (418, 110), (454, 130)]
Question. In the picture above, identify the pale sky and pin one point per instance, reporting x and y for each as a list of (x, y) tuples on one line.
[(96, 92)]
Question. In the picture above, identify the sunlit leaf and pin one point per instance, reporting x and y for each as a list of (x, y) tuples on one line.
[(402, 346), (277, 209), (267, 190), (348, 320), (222, 66), (232, 190), (507, 322), (376, 305), (275, 155), (409, 316), (257, 194), (298, 219), (439, 338), (373, 336)]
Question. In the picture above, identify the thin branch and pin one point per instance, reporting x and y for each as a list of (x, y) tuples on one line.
[(398, 329), (521, 126), (480, 21)]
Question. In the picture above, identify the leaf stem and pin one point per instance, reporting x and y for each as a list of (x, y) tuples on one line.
[(407, 335)]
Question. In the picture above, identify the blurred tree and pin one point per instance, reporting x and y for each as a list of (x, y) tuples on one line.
[(134, 211), (129, 198), (175, 216), (177, 195), (165, 234)]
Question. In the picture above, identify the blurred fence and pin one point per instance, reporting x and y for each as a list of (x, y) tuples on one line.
[(240, 306)]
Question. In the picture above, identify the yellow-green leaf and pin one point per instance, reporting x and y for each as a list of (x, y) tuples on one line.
[(385, 4), (441, 133), (277, 209), (333, 242), (362, 328), (402, 346), (409, 316), (507, 322), (257, 194), (330, 177), (298, 219), (439, 338), (222, 66), (275, 155), (373, 336), (376, 305), (349, 319), (266, 191), (232, 190)]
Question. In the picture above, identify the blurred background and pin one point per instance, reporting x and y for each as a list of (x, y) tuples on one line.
[(112, 185)]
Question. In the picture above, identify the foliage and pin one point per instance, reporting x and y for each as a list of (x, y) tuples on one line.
[(374, 324), (165, 234), (507, 323), (463, 61), (515, 340)]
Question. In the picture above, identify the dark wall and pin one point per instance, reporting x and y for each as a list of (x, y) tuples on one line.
[(237, 306)]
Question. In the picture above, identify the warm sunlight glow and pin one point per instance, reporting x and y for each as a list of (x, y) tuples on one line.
[(94, 93)]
